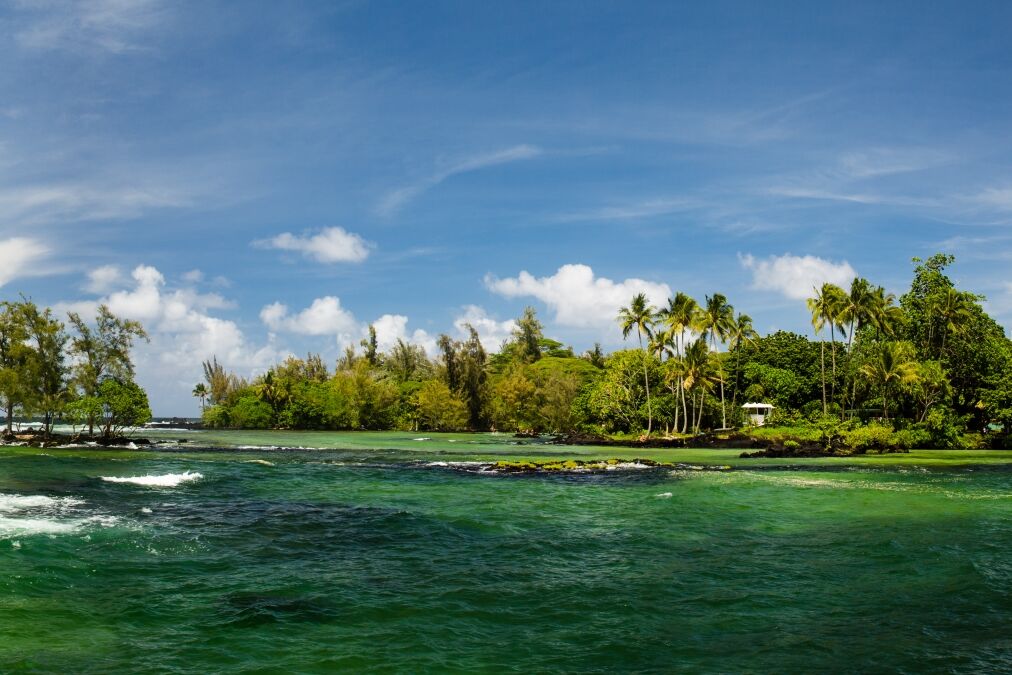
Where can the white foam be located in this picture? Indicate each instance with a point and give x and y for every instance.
(15, 503)
(423, 438)
(28, 526)
(146, 510)
(259, 461)
(664, 495)
(166, 480)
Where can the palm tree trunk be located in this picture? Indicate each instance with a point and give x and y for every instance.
(822, 345)
(832, 387)
(720, 371)
(646, 384)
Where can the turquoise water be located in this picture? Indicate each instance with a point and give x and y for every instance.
(348, 560)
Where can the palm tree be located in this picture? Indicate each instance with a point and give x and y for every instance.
(742, 333)
(953, 308)
(892, 367)
(681, 315)
(640, 315)
(717, 320)
(825, 308)
(201, 392)
(856, 310)
(697, 375)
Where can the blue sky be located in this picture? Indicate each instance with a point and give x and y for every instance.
(252, 179)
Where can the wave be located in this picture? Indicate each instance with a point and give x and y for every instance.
(16, 503)
(165, 480)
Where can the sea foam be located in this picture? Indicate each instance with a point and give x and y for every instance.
(166, 480)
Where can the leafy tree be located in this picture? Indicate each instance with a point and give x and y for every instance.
(371, 347)
(439, 409)
(46, 370)
(528, 335)
(123, 404)
(14, 358)
(595, 355)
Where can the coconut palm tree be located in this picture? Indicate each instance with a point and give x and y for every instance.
(825, 308)
(698, 376)
(954, 309)
(639, 315)
(682, 315)
(893, 366)
(717, 320)
(857, 310)
(201, 392)
(742, 333)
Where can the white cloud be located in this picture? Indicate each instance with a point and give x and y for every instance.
(114, 26)
(393, 327)
(331, 245)
(395, 199)
(20, 257)
(578, 298)
(491, 332)
(633, 211)
(796, 276)
(324, 317)
(103, 279)
(193, 276)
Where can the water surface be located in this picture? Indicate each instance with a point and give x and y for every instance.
(369, 557)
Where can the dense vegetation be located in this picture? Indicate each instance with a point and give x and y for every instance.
(929, 369)
(85, 378)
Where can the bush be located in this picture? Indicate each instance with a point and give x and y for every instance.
(251, 413)
(874, 436)
(216, 417)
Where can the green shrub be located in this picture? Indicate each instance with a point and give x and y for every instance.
(251, 413)
(790, 444)
(874, 436)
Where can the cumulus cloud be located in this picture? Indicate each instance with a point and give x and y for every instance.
(395, 199)
(20, 257)
(324, 317)
(491, 332)
(796, 276)
(330, 245)
(578, 297)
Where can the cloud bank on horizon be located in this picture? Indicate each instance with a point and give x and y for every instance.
(341, 166)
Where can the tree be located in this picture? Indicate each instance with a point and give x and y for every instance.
(893, 366)
(46, 370)
(931, 386)
(371, 346)
(528, 335)
(14, 355)
(681, 316)
(200, 391)
(699, 377)
(438, 408)
(595, 355)
(717, 321)
(123, 404)
(639, 315)
(741, 333)
(826, 308)
(471, 360)
(953, 310)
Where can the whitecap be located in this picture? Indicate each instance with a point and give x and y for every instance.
(423, 438)
(664, 495)
(166, 480)
(259, 461)
(15, 503)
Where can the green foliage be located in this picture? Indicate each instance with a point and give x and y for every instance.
(438, 408)
(123, 404)
(249, 412)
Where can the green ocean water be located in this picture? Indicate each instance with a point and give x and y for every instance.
(384, 554)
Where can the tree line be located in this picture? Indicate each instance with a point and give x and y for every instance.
(84, 377)
(931, 363)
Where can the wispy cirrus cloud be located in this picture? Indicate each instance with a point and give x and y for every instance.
(636, 210)
(394, 200)
(110, 26)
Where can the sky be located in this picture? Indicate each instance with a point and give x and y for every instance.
(256, 179)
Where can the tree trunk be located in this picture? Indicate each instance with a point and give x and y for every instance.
(646, 384)
(822, 356)
(720, 371)
(832, 338)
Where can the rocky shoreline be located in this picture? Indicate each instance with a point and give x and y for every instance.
(751, 447)
(37, 439)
